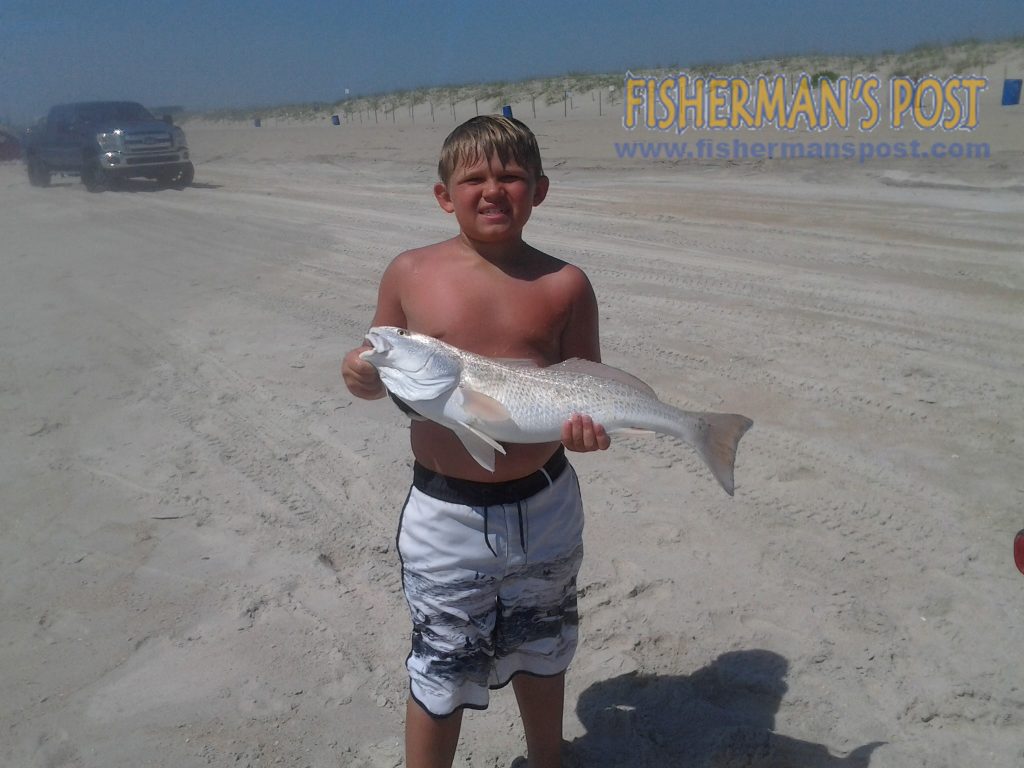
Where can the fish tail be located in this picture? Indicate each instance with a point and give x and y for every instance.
(719, 436)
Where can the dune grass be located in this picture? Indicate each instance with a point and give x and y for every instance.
(451, 102)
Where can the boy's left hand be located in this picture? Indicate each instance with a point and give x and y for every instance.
(581, 434)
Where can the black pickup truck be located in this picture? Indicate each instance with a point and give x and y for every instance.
(106, 142)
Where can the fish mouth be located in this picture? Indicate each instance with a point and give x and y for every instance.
(378, 342)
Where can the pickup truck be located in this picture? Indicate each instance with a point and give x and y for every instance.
(106, 142)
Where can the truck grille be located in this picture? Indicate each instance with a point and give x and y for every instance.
(147, 142)
(149, 159)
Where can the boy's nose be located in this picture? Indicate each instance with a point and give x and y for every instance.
(492, 188)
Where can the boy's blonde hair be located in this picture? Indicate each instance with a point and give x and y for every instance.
(487, 135)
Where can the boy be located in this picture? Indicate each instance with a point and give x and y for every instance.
(489, 560)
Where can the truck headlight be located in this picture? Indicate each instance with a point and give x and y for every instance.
(111, 142)
(178, 137)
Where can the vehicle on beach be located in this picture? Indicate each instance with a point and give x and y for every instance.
(107, 142)
(10, 146)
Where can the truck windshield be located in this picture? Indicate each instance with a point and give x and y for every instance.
(119, 110)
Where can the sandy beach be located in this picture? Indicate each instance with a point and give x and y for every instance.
(197, 560)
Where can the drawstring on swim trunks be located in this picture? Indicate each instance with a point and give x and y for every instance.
(487, 538)
(487, 525)
(522, 534)
(483, 496)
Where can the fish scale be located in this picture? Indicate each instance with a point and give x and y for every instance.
(540, 400)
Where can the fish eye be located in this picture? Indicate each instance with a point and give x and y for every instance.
(402, 332)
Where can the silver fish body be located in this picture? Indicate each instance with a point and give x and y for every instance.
(487, 401)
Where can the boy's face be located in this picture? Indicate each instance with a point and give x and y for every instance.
(491, 202)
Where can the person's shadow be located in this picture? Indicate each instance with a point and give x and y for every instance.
(721, 716)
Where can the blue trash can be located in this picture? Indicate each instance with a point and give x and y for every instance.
(335, 119)
(507, 110)
(1011, 92)
(256, 122)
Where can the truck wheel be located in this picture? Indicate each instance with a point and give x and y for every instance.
(38, 173)
(95, 178)
(188, 175)
(180, 177)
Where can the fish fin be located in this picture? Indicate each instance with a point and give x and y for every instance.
(486, 438)
(602, 371)
(478, 445)
(484, 407)
(718, 438)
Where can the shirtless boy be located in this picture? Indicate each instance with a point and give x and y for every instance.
(501, 548)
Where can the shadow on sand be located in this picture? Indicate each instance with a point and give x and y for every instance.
(147, 185)
(128, 185)
(721, 716)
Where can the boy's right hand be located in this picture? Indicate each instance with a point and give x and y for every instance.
(360, 377)
(581, 434)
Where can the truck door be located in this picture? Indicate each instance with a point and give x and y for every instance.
(67, 140)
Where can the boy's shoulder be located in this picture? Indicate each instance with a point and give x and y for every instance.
(433, 255)
(565, 274)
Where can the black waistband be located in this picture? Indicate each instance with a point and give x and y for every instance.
(473, 494)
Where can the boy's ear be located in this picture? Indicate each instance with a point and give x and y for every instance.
(541, 190)
(443, 198)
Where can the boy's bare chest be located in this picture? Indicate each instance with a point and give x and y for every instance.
(515, 318)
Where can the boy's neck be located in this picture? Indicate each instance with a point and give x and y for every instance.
(505, 252)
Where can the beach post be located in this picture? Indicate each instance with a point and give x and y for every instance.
(1011, 92)
(507, 110)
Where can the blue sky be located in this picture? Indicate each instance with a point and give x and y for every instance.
(203, 54)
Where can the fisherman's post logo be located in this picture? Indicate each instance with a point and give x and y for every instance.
(810, 105)
(683, 101)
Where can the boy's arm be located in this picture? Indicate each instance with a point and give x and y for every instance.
(360, 377)
(581, 338)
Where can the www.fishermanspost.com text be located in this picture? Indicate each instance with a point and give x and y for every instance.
(742, 149)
